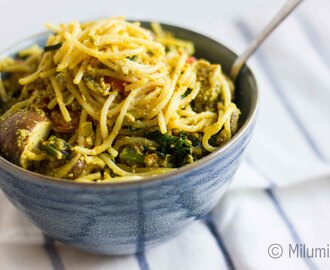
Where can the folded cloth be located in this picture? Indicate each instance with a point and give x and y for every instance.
(276, 213)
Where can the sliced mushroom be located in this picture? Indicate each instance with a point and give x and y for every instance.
(21, 131)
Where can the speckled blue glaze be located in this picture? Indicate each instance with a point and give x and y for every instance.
(129, 217)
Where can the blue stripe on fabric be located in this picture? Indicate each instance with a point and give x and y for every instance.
(52, 253)
(247, 33)
(309, 262)
(294, 234)
(142, 260)
(314, 39)
(210, 223)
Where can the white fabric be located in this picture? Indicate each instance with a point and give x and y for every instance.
(280, 194)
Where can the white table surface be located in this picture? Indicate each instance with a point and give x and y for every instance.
(20, 19)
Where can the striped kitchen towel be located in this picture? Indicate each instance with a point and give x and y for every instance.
(276, 213)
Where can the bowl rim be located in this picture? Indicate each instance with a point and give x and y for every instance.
(40, 178)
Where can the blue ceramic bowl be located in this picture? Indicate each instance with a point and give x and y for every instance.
(123, 218)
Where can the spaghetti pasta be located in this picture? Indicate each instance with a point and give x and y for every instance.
(124, 102)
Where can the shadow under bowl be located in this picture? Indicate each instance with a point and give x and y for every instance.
(124, 218)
